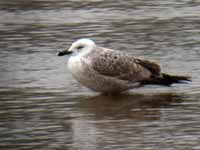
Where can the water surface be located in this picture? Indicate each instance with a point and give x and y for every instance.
(43, 107)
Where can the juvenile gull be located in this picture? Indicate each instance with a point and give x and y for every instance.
(109, 71)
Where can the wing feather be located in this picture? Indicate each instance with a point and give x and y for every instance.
(123, 66)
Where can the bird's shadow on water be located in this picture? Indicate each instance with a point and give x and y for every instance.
(126, 106)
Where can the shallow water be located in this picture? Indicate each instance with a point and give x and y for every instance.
(43, 107)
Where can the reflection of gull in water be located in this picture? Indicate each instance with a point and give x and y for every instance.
(120, 119)
(109, 71)
(126, 105)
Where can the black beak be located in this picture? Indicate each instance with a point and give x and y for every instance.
(62, 53)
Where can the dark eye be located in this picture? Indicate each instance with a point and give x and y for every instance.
(80, 47)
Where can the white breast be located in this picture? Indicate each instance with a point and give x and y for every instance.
(75, 65)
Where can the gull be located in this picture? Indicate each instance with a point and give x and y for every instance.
(110, 71)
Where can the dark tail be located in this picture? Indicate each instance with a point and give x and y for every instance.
(167, 80)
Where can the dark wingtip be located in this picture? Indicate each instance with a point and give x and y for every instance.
(167, 80)
(188, 78)
(181, 78)
(176, 79)
(185, 79)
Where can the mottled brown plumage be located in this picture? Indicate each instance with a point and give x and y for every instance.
(109, 71)
(122, 66)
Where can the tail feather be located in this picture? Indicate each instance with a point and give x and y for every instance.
(167, 80)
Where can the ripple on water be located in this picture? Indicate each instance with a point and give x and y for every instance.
(43, 107)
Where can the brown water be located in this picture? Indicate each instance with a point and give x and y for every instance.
(43, 107)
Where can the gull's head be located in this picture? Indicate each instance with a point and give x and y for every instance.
(81, 46)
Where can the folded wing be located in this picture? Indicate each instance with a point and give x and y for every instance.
(123, 66)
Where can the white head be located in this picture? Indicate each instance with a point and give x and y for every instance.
(79, 47)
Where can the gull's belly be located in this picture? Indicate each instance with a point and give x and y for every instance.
(84, 73)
